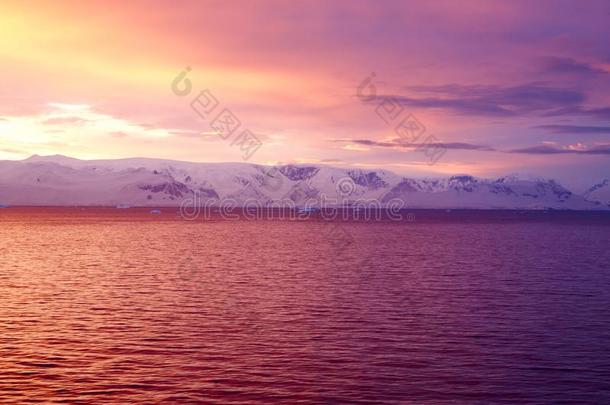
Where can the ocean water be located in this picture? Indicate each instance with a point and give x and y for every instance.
(123, 306)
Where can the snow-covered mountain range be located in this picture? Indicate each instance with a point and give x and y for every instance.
(61, 181)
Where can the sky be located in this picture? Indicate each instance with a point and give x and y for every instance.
(492, 87)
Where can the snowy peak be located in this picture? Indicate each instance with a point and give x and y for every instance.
(298, 173)
(519, 177)
(59, 159)
(370, 180)
(599, 192)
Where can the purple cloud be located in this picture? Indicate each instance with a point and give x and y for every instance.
(602, 113)
(398, 144)
(553, 150)
(575, 129)
(493, 100)
(570, 66)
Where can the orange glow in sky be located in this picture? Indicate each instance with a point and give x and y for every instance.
(504, 86)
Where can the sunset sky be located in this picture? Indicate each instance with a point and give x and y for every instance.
(506, 87)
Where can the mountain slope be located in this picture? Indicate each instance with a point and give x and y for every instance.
(59, 180)
(599, 192)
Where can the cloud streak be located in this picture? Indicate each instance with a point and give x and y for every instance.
(554, 150)
(398, 144)
(602, 113)
(493, 101)
(546, 149)
(574, 129)
(571, 66)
